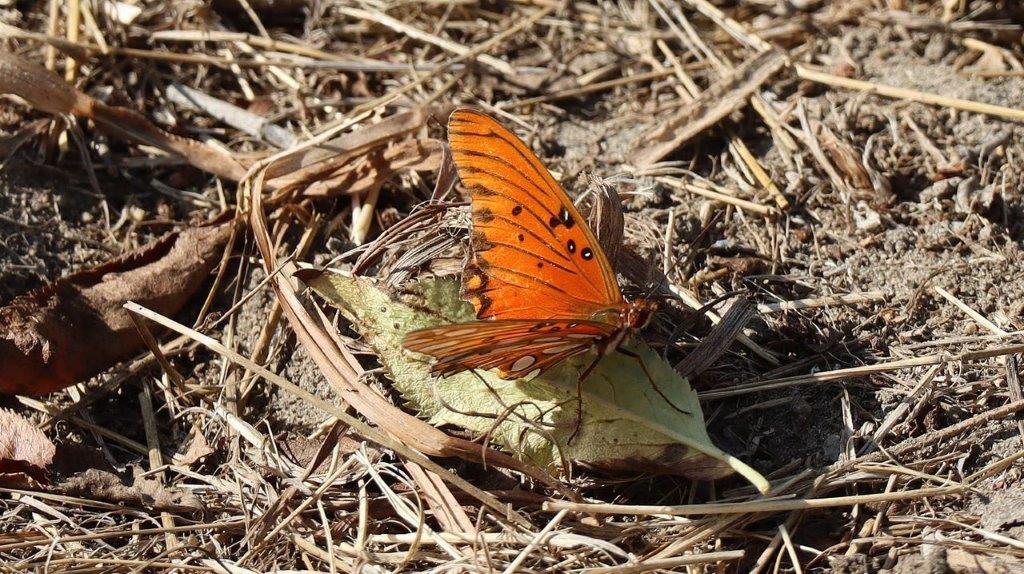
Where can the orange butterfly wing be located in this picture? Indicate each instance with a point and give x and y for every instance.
(515, 347)
(534, 256)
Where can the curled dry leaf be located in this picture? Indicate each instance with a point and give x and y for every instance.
(25, 452)
(378, 166)
(74, 328)
(332, 158)
(627, 424)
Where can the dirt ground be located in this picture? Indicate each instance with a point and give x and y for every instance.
(935, 201)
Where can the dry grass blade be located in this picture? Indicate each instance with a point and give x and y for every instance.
(670, 563)
(911, 95)
(756, 506)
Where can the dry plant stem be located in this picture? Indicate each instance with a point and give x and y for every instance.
(500, 66)
(155, 457)
(588, 89)
(537, 541)
(229, 525)
(854, 372)
(83, 51)
(51, 29)
(793, 558)
(731, 27)
(106, 433)
(735, 143)
(269, 44)
(669, 563)
(763, 210)
(759, 173)
(757, 506)
(915, 395)
(910, 445)
(363, 429)
(481, 48)
(442, 502)
(158, 354)
(74, 22)
(818, 302)
(807, 73)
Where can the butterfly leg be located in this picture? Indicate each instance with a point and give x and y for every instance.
(579, 396)
(650, 379)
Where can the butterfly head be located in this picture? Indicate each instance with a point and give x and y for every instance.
(639, 313)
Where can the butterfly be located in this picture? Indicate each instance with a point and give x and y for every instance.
(543, 289)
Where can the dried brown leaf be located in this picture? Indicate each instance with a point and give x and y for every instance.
(376, 167)
(606, 217)
(300, 169)
(74, 328)
(198, 448)
(25, 452)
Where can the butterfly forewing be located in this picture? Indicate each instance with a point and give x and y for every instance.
(534, 257)
(515, 348)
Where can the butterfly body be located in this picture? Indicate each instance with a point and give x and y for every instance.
(542, 287)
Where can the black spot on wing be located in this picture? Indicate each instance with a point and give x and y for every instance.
(566, 218)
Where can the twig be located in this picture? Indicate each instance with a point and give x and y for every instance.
(498, 65)
(757, 208)
(757, 506)
(595, 87)
(807, 73)
(155, 457)
(718, 101)
(669, 563)
(537, 541)
(816, 302)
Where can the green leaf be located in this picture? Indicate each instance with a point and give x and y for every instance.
(626, 423)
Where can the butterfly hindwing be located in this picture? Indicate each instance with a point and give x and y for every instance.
(514, 348)
(534, 257)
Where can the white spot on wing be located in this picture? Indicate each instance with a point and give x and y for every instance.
(522, 363)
